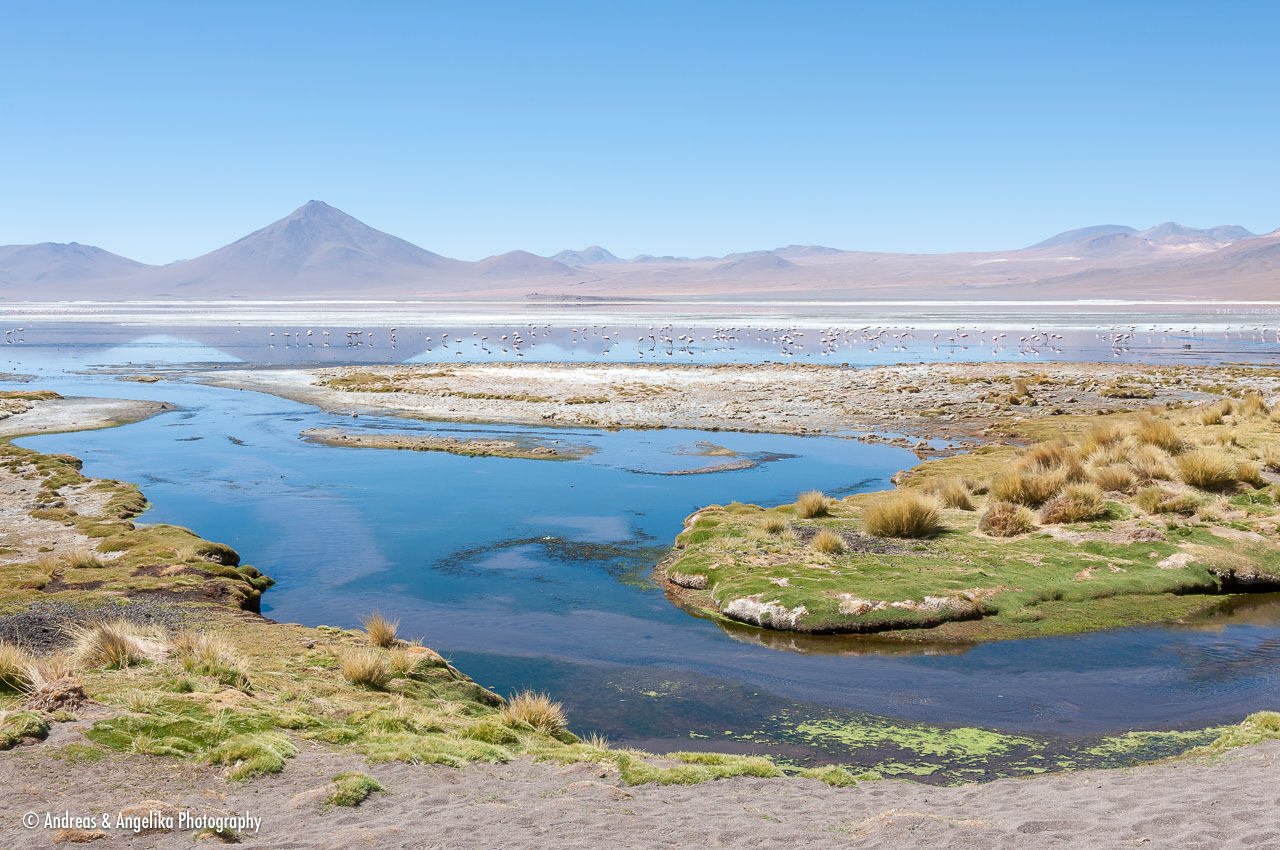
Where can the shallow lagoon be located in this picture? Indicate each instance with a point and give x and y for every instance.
(536, 573)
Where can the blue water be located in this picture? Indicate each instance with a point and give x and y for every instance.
(536, 573)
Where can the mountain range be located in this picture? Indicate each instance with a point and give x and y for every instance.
(319, 252)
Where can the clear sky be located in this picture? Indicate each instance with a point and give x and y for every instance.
(163, 130)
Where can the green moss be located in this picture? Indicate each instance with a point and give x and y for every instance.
(20, 725)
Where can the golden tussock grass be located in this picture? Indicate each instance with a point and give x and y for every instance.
(1005, 519)
(953, 493)
(209, 655)
(773, 524)
(812, 504)
(365, 667)
(536, 709)
(1250, 473)
(1100, 437)
(1116, 476)
(828, 542)
(1160, 433)
(83, 559)
(1207, 469)
(15, 668)
(114, 644)
(1078, 502)
(903, 513)
(1253, 406)
(1151, 463)
(381, 631)
(1157, 500)
(1027, 487)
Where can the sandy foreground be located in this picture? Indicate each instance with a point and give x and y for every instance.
(1229, 803)
(951, 401)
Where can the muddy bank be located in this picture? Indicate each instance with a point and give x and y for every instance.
(530, 449)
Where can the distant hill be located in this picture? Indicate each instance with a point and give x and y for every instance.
(520, 264)
(53, 263)
(593, 256)
(1070, 236)
(318, 251)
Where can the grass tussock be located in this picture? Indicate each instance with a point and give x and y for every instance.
(813, 503)
(903, 513)
(206, 654)
(1078, 503)
(773, 524)
(1006, 519)
(1207, 469)
(82, 559)
(828, 542)
(1252, 406)
(1157, 500)
(1161, 433)
(115, 645)
(350, 789)
(1029, 487)
(1101, 437)
(1212, 415)
(253, 754)
(537, 710)
(365, 667)
(381, 631)
(15, 668)
(1151, 463)
(1116, 476)
(954, 493)
(1249, 472)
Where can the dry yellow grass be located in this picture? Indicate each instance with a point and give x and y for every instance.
(114, 644)
(1116, 477)
(903, 513)
(381, 631)
(812, 504)
(365, 667)
(1250, 473)
(1151, 463)
(828, 542)
(1157, 500)
(1160, 433)
(15, 668)
(1027, 487)
(773, 524)
(1253, 406)
(538, 710)
(1005, 519)
(1207, 469)
(1100, 437)
(953, 493)
(83, 559)
(1078, 502)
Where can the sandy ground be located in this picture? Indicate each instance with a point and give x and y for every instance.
(951, 401)
(1230, 803)
(77, 414)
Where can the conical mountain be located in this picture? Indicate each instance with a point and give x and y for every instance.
(316, 249)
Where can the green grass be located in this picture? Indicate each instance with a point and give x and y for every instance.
(350, 789)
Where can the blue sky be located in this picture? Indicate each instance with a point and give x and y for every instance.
(164, 130)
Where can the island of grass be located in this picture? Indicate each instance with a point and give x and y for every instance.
(525, 449)
(1092, 522)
